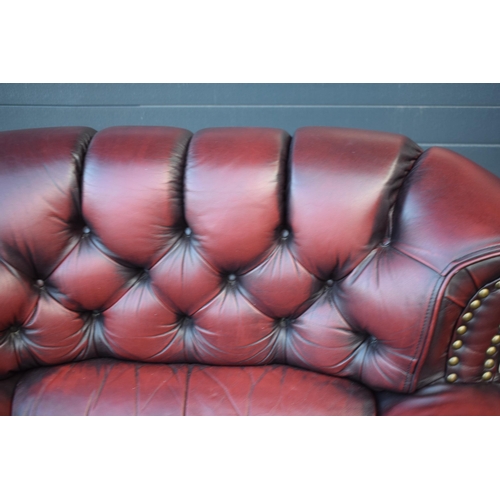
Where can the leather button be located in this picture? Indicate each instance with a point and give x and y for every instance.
(329, 283)
(40, 283)
(188, 231)
(86, 230)
(184, 319)
(285, 234)
(232, 278)
(14, 330)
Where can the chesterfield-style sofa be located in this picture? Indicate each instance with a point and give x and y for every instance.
(238, 271)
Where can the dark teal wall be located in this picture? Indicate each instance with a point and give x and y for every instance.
(462, 117)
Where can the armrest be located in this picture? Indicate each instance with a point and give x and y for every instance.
(449, 220)
(409, 294)
(465, 328)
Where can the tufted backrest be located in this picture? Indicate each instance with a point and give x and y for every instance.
(229, 247)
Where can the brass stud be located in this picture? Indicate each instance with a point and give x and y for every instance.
(491, 351)
(495, 340)
(484, 293)
(487, 376)
(467, 316)
(452, 377)
(497, 284)
(475, 304)
(461, 329)
(489, 363)
(457, 344)
(453, 361)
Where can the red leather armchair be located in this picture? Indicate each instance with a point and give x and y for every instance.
(146, 270)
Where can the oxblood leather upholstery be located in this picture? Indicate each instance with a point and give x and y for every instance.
(344, 252)
(125, 388)
(444, 400)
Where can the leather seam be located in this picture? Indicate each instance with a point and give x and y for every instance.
(415, 259)
(466, 269)
(80, 165)
(412, 163)
(410, 374)
(186, 392)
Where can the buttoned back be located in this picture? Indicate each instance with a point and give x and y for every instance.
(236, 246)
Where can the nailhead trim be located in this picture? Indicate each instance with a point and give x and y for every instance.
(462, 329)
(490, 362)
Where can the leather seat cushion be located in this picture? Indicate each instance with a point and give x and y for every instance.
(109, 387)
(443, 400)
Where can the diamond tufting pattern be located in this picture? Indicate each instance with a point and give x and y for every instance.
(226, 247)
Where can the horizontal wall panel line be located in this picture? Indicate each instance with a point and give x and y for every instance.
(228, 93)
(230, 106)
